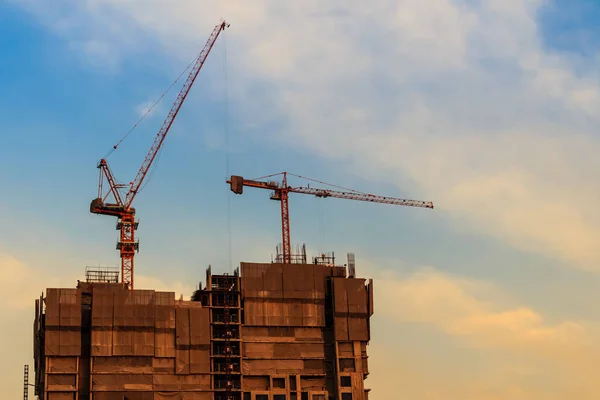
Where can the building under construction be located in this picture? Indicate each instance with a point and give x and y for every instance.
(285, 330)
(268, 332)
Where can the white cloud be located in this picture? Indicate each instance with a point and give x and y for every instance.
(146, 109)
(460, 98)
(100, 54)
(494, 132)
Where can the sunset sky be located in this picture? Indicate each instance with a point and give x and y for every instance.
(488, 108)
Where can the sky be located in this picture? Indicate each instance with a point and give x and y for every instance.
(488, 108)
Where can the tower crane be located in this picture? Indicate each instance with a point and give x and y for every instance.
(121, 205)
(281, 192)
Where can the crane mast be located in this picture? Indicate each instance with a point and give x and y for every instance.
(281, 193)
(126, 223)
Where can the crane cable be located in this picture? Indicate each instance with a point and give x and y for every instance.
(312, 180)
(150, 109)
(227, 158)
(327, 184)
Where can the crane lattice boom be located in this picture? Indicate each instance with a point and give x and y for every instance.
(362, 197)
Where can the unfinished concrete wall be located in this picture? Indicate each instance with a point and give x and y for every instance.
(305, 332)
(293, 332)
(143, 345)
(352, 307)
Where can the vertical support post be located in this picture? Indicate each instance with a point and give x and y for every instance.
(127, 246)
(26, 382)
(285, 221)
(228, 364)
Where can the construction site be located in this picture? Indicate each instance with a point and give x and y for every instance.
(294, 328)
(273, 331)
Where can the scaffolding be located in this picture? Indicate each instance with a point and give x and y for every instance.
(327, 259)
(351, 265)
(102, 274)
(224, 302)
(296, 257)
(26, 382)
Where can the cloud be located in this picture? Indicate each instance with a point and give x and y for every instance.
(153, 283)
(457, 102)
(100, 54)
(493, 132)
(145, 109)
(20, 285)
(505, 348)
(455, 305)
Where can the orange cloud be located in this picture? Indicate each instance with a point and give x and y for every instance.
(517, 341)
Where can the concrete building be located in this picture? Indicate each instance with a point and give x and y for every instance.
(272, 332)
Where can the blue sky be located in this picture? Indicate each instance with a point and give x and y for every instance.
(487, 108)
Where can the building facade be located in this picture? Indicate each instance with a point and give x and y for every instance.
(272, 332)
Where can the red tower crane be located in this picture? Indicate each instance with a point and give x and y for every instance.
(281, 192)
(121, 207)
